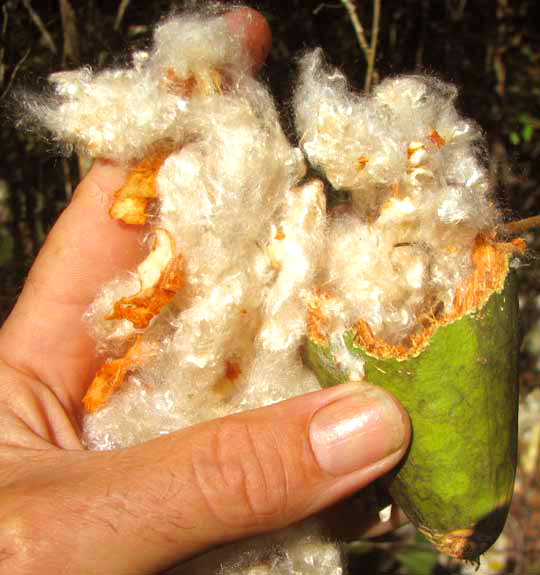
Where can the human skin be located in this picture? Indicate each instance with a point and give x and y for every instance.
(64, 509)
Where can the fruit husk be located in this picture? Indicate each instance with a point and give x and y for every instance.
(460, 390)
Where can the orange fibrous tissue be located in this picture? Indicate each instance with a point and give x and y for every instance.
(110, 377)
(160, 277)
(437, 139)
(132, 199)
(490, 267)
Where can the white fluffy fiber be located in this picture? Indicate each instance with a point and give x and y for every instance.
(117, 113)
(297, 550)
(256, 241)
(420, 193)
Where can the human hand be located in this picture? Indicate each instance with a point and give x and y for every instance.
(139, 510)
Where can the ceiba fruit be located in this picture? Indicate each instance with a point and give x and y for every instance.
(457, 378)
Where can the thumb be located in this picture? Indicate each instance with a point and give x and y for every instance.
(157, 503)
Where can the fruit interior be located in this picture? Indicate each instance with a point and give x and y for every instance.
(416, 244)
(490, 268)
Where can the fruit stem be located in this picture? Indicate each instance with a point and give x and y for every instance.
(520, 226)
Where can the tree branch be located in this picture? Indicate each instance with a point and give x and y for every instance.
(520, 226)
(47, 39)
(122, 7)
(71, 36)
(357, 25)
(373, 44)
(14, 73)
(371, 49)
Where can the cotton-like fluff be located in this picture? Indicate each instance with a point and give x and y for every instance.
(233, 220)
(250, 242)
(116, 113)
(420, 194)
(298, 550)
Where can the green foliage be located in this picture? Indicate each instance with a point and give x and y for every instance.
(419, 558)
(528, 127)
(404, 554)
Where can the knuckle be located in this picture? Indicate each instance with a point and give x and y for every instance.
(245, 483)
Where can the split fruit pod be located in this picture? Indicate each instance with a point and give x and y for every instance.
(458, 381)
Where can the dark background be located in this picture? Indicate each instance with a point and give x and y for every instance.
(488, 48)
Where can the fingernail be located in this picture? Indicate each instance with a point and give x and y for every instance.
(357, 430)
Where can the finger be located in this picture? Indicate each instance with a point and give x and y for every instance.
(45, 336)
(147, 507)
(254, 29)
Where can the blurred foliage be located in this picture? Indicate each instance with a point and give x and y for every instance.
(419, 558)
(405, 552)
(489, 48)
(526, 131)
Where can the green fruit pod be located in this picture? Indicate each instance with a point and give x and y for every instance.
(458, 382)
